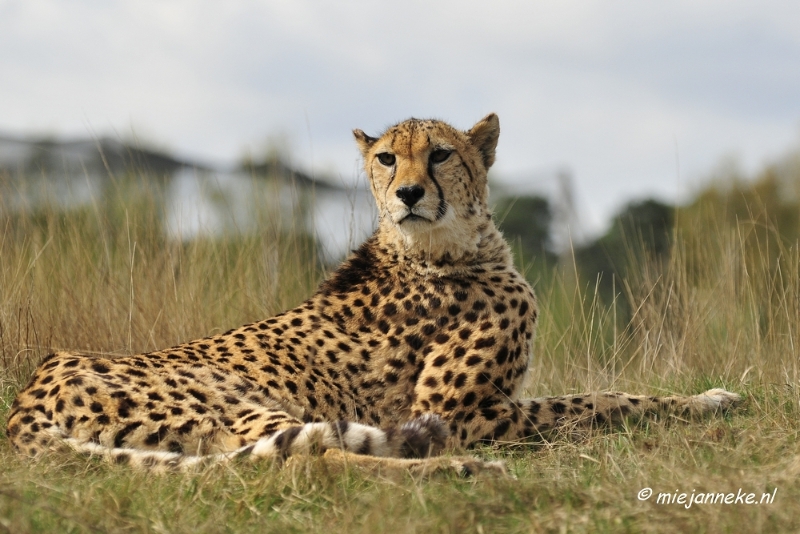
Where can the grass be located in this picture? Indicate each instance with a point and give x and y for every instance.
(103, 278)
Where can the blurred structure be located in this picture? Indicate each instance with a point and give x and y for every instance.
(198, 200)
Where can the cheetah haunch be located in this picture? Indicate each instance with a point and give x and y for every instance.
(420, 342)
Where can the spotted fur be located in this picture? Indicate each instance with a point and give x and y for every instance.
(420, 342)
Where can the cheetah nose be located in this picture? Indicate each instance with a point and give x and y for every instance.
(410, 195)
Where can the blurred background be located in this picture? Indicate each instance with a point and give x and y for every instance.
(615, 115)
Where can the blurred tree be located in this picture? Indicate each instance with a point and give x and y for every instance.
(641, 232)
(526, 222)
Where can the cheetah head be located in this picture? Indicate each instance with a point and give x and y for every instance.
(429, 181)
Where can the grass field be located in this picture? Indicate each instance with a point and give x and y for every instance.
(722, 312)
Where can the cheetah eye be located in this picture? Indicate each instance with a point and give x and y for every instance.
(386, 159)
(439, 155)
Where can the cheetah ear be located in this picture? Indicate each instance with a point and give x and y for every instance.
(364, 141)
(484, 137)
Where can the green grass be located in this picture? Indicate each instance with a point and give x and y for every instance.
(104, 279)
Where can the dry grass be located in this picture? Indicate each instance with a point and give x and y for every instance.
(104, 279)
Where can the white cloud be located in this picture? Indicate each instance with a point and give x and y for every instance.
(605, 88)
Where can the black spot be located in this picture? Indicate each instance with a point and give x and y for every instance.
(439, 361)
(198, 409)
(397, 364)
(174, 446)
(469, 399)
(39, 393)
(484, 342)
(461, 379)
(120, 437)
(473, 360)
(489, 414)
(186, 427)
(441, 338)
(414, 341)
(502, 356)
(599, 418)
(501, 429)
(284, 440)
(100, 368)
(156, 437)
(196, 394)
(391, 378)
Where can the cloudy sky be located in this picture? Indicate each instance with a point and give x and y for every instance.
(632, 98)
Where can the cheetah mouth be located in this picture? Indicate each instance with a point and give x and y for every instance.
(412, 217)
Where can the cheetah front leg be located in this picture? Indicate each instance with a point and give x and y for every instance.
(418, 438)
(496, 420)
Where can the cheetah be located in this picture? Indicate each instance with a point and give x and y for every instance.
(419, 343)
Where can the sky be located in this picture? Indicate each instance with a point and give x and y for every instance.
(632, 99)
